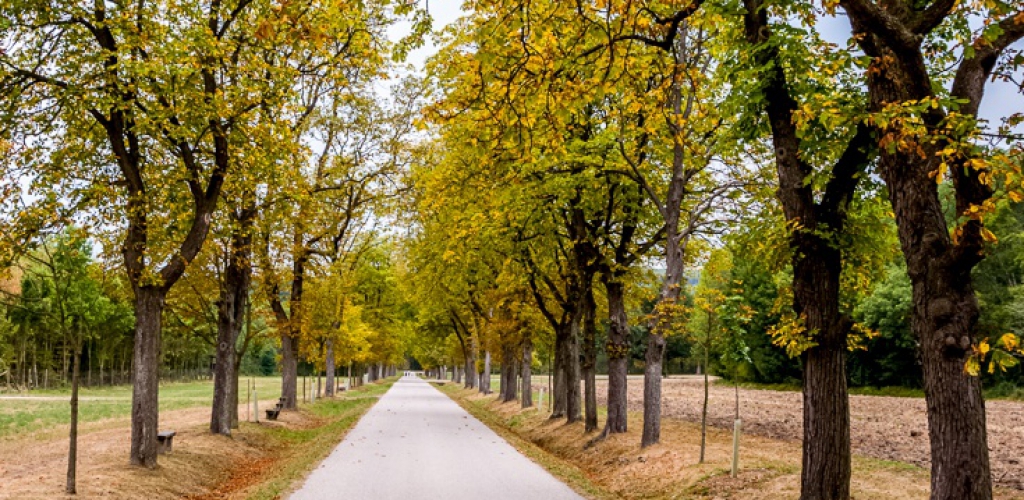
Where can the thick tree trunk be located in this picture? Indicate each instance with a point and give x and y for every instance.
(945, 312)
(527, 371)
(944, 319)
(817, 265)
(826, 446)
(589, 368)
(330, 368)
(289, 371)
(149, 306)
(617, 349)
(70, 484)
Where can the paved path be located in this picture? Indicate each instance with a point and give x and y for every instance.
(417, 443)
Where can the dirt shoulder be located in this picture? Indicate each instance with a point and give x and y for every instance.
(618, 468)
(887, 428)
(259, 460)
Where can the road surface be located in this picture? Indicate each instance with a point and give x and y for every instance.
(417, 443)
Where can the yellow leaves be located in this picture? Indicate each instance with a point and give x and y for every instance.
(1015, 196)
(1010, 342)
(984, 348)
(792, 335)
(1003, 354)
(972, 366)
(988, 236)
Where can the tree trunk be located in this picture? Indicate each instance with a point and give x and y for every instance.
(817, 265)
(149, 306)
(330, 368)
(589, 368)
(485, 376)
(573, 374)
(508, 374)
(70, 486)
(289, 370)
(470, 372)
(618, 357)
(559, 391)
(671, 289)
(945, 309)
(652, 390)
(527, 371)
(944, 319)
(231, 315)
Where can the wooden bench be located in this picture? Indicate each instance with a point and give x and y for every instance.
(164, 440)
(273, 414)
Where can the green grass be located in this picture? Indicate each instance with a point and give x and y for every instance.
(311, 445)
(19, 417)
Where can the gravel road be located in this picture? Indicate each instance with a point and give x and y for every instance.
(417, 443)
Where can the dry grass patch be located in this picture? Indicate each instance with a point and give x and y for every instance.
(617, 468)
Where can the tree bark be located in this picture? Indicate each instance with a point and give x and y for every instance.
(509, 389)
(618, 356)
(485, 376)
(559, 391)
(571, 362)
(589, 368)
(231, 315)
(289, 371)
(527, 371)
(652, 389)
(945, 309)
(149, 306)
(817, 266)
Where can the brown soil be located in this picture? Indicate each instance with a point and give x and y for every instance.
(888, 428)
(769, 468)
(201, 465)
